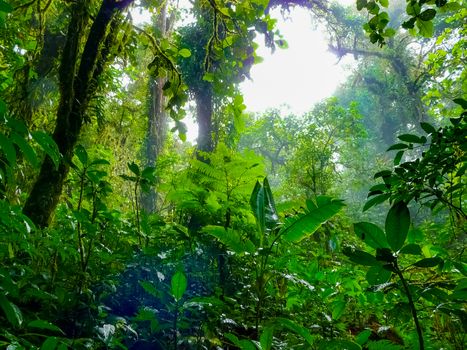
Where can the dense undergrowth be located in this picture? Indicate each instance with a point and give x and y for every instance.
(343, 228)
(224, 269)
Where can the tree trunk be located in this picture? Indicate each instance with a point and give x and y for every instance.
(76, 90)
(204, 110)
(157, 121)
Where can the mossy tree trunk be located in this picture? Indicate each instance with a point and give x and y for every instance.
(157, 118)
(77, 86)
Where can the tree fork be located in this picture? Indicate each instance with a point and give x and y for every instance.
(75, 96)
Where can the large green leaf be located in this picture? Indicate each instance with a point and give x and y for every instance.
(429, 262)
(231, 239)
(297, 228)
(150, 288)
(243, 344)
(50, 343)
(378, 275)
(82, 155)
(263, 206)
(371, 234)
(413, 249)
(266, 338)
(48, 145)
(397, 225)
(44, 325)
(338, 308)
(295, 327)
(178, 285)
(26, 149)
(12, 312)
(376, 200)
(360, 257)
(134, 168)
(8, 149)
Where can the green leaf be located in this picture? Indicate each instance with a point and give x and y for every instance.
(338, 308)
(371, 234)
(5, 7)
(397, 225)
(461, 102)
(427, 15)
(44, 325)
(231, 239)
(8, 150)
(361, 4)
(150, 288)
(17, 126)
(134, 168)
(50, 343)
(297, 228)
(426, 28)
(378, 275)
(409, 138)
(462, 267)
(266, 338)
(243, 344)
(383, 345)
(428, 262)
(178, 285)
(397, 146)
(413, 8)
(82, 155)
(385, 254)
(337, 344)
(413, 249)
(149, 173)
(384, 3)
(12, 312)
(146, 314)
(363, 336)
(3, 107)
(209, 77)
(185, 53)
(294, 327)
(428, 128)
(409, 24)
(128, 178)
(48, 145)
(263, 206)
(398, 157)
(360, 257)
(99, 162)
(383, 174)
(389, 32)
(376, 200)
(26, 149)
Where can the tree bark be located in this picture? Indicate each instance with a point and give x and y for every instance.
(157, 121)
(76, 90)
(204, 109)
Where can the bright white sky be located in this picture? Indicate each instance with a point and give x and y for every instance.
(298, 76)
(295, 78)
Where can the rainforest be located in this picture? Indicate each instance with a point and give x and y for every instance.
(144, 205)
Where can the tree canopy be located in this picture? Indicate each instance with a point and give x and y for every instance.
(341, 228)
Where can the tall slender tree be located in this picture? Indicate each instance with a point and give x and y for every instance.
(78, 77)
(157, 116)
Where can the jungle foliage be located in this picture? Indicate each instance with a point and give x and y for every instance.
(342, 228)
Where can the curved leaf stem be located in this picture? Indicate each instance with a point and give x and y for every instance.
(411, 305)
